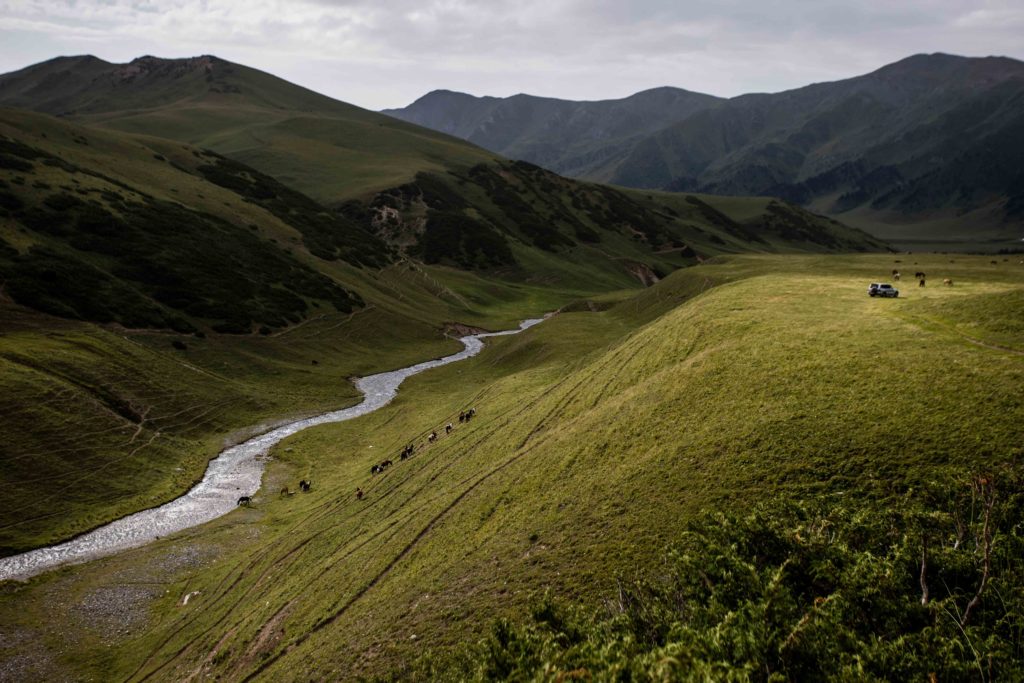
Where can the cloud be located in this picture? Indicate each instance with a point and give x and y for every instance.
(387, 52)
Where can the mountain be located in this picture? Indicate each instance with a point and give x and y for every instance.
(930, 141)
(325, 148)
(565, 136)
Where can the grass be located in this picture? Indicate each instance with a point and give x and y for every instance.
(599, 434)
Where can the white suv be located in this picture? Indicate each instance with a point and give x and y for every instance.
(882, 289)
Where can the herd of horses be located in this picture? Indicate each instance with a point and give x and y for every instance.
(410, 449)
(304, 486)
(920, 275)
(406, 453)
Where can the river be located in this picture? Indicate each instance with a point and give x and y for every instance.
(236, 471)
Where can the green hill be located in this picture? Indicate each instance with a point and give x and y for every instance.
(599, 436)
(327, 149)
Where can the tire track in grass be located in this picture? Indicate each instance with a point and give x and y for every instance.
(327, 621)
(438, 517)
(314, 516)
(392, 491)
(923, 323)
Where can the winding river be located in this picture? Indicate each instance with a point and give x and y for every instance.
(236, 471)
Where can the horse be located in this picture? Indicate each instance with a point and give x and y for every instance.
(359, 494)
(921, 283)
(386, 464)
(244, 500)
(285, 492)
(448, 428)
(376, 469)
(433, 437)
(305, 486)
(896, 276)
(472, 412)
(462, 416)
(948, 282)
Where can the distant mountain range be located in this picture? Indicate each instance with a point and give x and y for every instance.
(935, 141)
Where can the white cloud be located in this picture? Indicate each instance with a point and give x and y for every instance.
(380, 53)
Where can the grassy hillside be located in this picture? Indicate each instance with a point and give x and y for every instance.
(598, 436)
(146, 233)
(327, 149)
(517, 217)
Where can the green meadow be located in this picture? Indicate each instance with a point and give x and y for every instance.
(600, 436)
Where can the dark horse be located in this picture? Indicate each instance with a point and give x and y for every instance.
(305, 486)
(244, 500)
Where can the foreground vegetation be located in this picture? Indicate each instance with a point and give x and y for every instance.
(928, 588)
(600, 436)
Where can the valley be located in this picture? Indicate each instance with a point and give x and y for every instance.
(760, 366)
(716, 458)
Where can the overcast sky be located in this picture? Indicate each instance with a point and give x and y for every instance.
(386, 53)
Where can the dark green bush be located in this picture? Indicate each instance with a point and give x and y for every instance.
(457, 238)
(160, 256)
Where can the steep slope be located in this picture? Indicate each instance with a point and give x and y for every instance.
(928, 141)
(150, 234)
(567, 137)
(325, 148)
(115, 228)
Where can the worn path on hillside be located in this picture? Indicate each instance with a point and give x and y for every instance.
(236, 472)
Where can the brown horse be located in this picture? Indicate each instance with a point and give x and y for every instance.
(948, 282)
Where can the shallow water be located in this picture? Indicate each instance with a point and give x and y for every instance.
(236, 472)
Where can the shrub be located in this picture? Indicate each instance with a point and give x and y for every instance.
(931, 588)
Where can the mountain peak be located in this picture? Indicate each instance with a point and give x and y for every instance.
(942, 65)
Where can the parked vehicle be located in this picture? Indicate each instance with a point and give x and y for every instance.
(882, 289)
